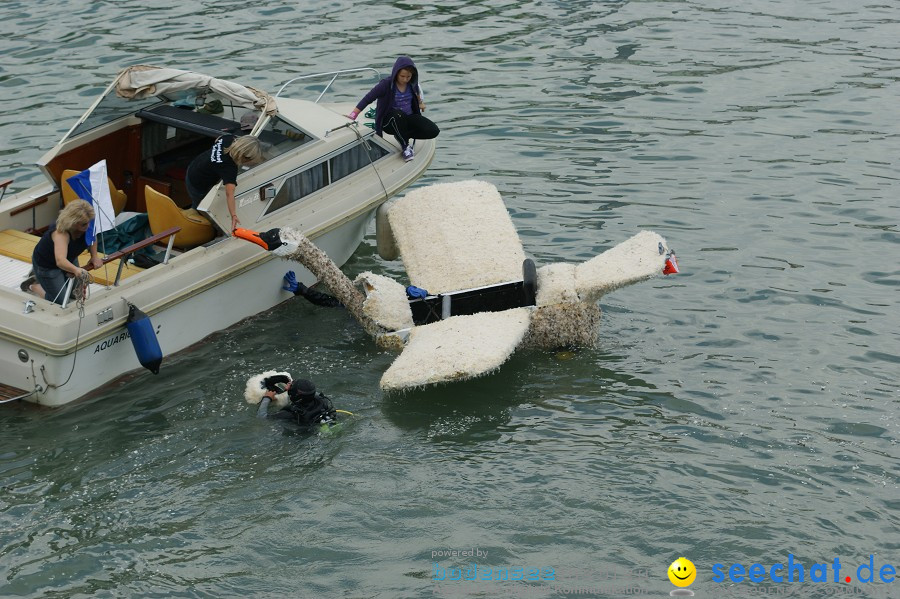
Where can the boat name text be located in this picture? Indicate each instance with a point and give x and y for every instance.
(111, 341)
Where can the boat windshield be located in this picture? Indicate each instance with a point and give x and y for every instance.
(279, 137)
(112, 107)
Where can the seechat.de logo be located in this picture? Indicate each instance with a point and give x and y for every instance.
(682, 573)
(794, 571)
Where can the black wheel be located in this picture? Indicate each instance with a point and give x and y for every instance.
(529, 281)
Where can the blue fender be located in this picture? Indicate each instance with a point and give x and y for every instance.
(143, 338)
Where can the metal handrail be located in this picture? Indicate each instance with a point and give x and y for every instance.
(333, 74)
(122, 254)
(3, 187)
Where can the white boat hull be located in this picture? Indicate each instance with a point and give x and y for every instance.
(178, 326)
(321, 174)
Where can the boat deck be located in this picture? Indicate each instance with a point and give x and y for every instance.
(7, 393)
(19, 246)
(13, 272)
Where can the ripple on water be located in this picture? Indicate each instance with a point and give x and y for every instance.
(749, 399)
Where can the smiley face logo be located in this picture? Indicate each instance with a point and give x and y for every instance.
(682, 572)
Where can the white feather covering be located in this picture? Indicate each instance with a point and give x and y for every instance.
(556, 284)
(456, 236)
(575, 324)
(255, 390)
(299, 248)
(385, 302)
(458, 348)
(633, 260)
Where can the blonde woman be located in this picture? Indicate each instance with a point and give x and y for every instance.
(222, 163)
(55, 256)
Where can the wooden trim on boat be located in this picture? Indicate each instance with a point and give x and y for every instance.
(3, 185)
(137, 246)
(8, 392)
(120, 149)
(28, 206)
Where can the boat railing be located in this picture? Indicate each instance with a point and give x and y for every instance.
(3, 186)
(334, 76)
(123, 254)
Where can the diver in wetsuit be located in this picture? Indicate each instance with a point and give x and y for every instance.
(316, 297)
(307, 408)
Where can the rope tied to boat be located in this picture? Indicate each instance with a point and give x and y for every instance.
(82, 292)
(82, 289)
(368, 149)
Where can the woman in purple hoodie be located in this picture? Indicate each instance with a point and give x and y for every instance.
(399, 106)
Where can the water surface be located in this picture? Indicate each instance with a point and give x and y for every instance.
(739, 412)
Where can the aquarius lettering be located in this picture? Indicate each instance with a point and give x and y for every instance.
(111, 341)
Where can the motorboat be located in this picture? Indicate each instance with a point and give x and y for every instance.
(322, 174)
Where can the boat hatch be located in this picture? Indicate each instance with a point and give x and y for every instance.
(198, 122)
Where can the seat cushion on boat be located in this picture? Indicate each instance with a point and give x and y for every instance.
(459, 348)
(165, 214)
(116, 196)
(455, 236)
(192, 215)
(385, 302)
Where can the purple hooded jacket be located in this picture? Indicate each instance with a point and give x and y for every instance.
(383, 92)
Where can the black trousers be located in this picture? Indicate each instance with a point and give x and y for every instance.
(409, 126)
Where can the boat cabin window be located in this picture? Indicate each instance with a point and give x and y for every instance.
(166, 152)
(354, 159)
(203, 123)
(279, 137)
(326, 172)
(172, 135)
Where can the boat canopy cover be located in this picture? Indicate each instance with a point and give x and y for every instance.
(141, 81)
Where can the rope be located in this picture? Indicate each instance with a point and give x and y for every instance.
(368, 150)
(83, 289)
(82, 293)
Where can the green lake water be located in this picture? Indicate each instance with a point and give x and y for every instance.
(741, 412)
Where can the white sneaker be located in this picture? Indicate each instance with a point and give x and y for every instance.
(408, 153)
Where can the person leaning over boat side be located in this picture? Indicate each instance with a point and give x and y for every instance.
(399, 106)
(55, 256)
(312, 296)
(221, 163)
(307, 408)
